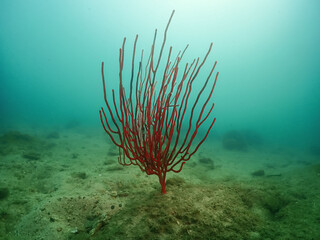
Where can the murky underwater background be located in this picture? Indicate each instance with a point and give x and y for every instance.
(257, 175)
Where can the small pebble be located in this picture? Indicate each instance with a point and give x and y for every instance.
(114, 194)
(74, 231)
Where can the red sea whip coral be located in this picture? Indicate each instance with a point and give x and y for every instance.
(146, 122)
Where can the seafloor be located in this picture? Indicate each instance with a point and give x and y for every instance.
(67, 184)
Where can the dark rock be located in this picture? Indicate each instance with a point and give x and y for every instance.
(175, 181)
(72, 124)
(258, 173)
(113, 153)
(115, 168)
(234, 140)
(240, 140)
(315, 150)
(208, 162)
(252, 137)
(15, 137)
(81, 175)
(4, 193)
(274, 203)
(32, 156)
(53, 135)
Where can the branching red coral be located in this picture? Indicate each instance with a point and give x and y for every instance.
(147, 122)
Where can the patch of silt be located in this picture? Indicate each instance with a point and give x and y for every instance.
(220, 211)
(68, 217)
(16, 142)
(186, 212)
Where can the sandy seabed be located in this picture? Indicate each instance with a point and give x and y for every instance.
(67, 184)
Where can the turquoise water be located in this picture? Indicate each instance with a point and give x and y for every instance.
(266, 97)
(267, 57)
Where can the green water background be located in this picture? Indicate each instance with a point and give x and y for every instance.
(267, 51)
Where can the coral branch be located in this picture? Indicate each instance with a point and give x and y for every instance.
(147, 123)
